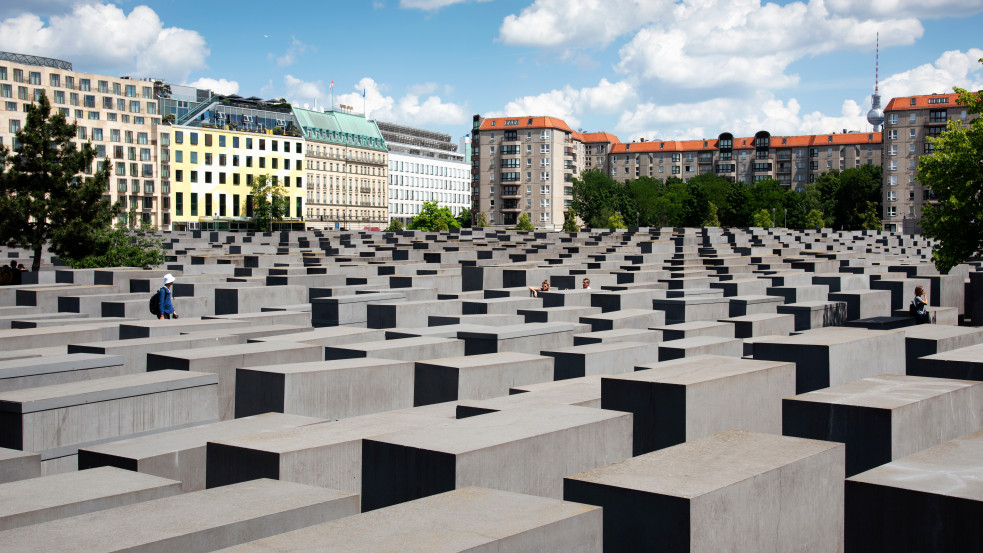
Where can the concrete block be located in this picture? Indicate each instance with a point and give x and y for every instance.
(816, 314)
(600, 358)
(779, 493)
(76, 493)
(925, 340)
(762, 324)
(902, 289)
(887, 417)
(841, 282)
(549, 442)
(406, 349)
(477, 376)
(618, 335)
(325, 389)
(170, 327)
(134, 352)
(57, 369)
(327, 455)
(799, 294)
(18, 465)
(686, 399)
(468, 519)
(530, 338)
(963, 363)
(408, 313)
(682, 310)
(499, 306)
(700, 345)
(571, 314)
(270, 317)
(224, 360)
(626, 318)
(692, 329)
(180, 454)
(582, 392)
(864, 304)
(753, 305)
(328, 336)
(834, 357)
(625, 299)
(347, 310)
(57, 420)
(567, 298)
(742, 287)
(928, 501)
(32, 338)
(230, 301)
(192, 522)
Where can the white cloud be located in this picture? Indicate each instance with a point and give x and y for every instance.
(218, 86)
(953, 68)
(569, 103)
(298, 90)
(296, 49)
(566, 22)
(105, 37)
(412, 109)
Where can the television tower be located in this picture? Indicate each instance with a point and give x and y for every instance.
(876, 115)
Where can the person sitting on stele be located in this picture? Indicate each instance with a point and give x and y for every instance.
(544, 288)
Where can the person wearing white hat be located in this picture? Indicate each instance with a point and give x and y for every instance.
(166, 305)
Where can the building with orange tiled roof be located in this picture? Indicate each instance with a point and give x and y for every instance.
(908, 123)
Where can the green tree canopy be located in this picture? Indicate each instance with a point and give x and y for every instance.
(395, 225)
(762, 218)
(570, 222)
(45, 196)
(955, 174)
(464, 218)
(434, 217)
(524, 223)
(270, 201)
(480, 220)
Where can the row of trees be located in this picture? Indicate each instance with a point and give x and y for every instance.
(843, 200)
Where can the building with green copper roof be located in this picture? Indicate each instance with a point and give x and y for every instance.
(339, 127)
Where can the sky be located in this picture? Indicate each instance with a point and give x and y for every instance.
(652, 69)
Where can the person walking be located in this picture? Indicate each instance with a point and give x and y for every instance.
(166, 304)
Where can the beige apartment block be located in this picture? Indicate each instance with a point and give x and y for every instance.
(117, 115)
(524, 165)
(908, 123)
(791, 160)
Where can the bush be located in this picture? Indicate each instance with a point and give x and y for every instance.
(524, 223)
(570, 222)
(480, 220)
(395, 225)
(814, 219)
(616, 222)
(121, 249)
(762, 218)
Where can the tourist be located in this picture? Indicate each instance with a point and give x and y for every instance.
(919, 306)
(585, 285)
(166, 305)
(544, 288)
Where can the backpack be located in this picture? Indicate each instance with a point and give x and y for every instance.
(155, 304)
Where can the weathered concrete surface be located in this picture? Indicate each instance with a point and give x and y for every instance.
(468, 519)
(962, 363)
(887, 417)
(601, 358)
(18, 465)
(779, 493)
(199, 521)
(180, 454)
(57, 369)
(686, 399)
(929, 501)
(76, 493)
(477, 376)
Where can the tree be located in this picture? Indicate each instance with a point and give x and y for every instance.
(593, 193)
(762, 218)
(480, 220)
(857, 188)
(119, 248)
(737, 211)
(270, 201)
(954, 173)
(464, 218)
(44, 195)
(712, 220)
(524, 223)
(814, 219)
(434, 217)
(616, 222)
(395, 225)
(570, 222)
(161, 89)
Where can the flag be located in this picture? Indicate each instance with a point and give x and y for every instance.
(331, 85)
(363, 92)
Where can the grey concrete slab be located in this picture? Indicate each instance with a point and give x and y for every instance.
(57, 420)
(618, 335)
(229, 301)
(61, 335)
(600, 358)
(753, 305)
(886, 417)
(902, 289)
(134, 352)
(477, 376)
(742, 287)
(549, 442)
(224, 360)
(762, 324)
(405, 349)
(57, 369)
(408, 313)
(687, 309)
(567, 298)
(76, 493)
(692, 329)
(293, 318)
(962, 363)
(582, 392)
(325, 389)
(827, 358)
(18, 465)
(171, 327)
(199, 521)
(928, 501)
(346, 310)
(700, 345)
(926, 340)
(799, 294)
(811, 315)
(863, 304)
(328, 336)
(531, 338)
(499, 306)
(327, 455)
(483, 320)
(626, 318)
(468, 519)
(255, 332)
(180, 454)
(779, 493)
(571, 314)
(686, 399)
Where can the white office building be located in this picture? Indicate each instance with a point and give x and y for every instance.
(424, 166)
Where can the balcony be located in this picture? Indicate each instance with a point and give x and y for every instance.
(784, 168)
(784, 156)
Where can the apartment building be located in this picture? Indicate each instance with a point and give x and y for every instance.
(345, 164)
(117, 115)
(216, 152)
(908, 123)
(523, 165)
(791, 160)
(424, 166)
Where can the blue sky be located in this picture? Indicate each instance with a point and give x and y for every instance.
(638, 68)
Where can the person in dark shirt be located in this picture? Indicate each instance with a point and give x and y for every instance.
(166, 304)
